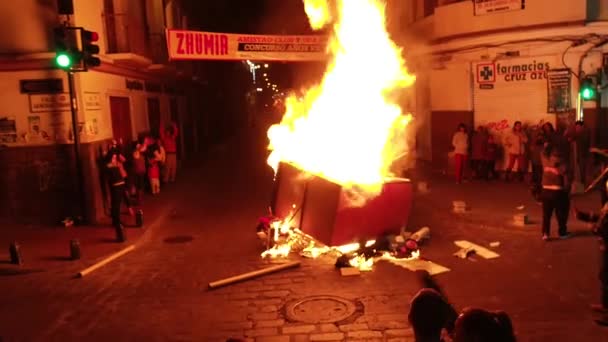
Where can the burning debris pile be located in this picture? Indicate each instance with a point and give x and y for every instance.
(335, 148)
(281, 239)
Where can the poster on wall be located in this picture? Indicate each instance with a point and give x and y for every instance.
(8, 130)
(34, 125)
(194, 45)
(558, 91)
(92, 100)
(484, 7)
(40, 103)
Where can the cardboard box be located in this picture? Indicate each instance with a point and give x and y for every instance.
(324, 210)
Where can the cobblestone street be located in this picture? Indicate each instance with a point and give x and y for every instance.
(159, 291)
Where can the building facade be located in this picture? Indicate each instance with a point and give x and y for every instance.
(132, 92)
(493, 62)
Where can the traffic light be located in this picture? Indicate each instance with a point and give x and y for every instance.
(66, 54)
(587, 89)
(89, 48)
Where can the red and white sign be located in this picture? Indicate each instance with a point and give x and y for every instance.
(486, 73)
(497, 6)
(196, 45)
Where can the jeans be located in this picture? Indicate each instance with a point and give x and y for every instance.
(117, 193)
(460, 161)
(558, 201)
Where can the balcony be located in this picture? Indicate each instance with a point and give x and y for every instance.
(129, 42)
(457, 18)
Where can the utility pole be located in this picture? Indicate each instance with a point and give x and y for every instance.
(76, 51)
(76, 136)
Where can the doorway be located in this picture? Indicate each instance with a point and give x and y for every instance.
(154, 116)
(121, 118)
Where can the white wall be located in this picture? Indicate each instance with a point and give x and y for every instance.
(450, 87)
(459, 18)
(55, 124)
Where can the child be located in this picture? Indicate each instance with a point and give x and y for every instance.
(491, 153)
(154, 170)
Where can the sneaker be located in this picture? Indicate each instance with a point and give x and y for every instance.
(565, 236)
(602, 320)
(545, 237)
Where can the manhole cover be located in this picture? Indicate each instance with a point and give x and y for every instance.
(179, 239)
(323, 309)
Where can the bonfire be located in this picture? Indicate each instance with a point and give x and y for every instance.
(348, 129)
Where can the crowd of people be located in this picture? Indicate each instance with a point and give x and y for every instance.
(134, 168)
(521, 148)
(558, 160)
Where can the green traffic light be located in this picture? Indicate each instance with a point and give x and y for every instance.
(63, 60)
(587, 93)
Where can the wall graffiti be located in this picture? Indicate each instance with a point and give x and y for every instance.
(499, 126)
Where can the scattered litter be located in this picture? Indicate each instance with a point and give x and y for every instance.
(459, 206)
(520, 219)
(521, 207)
(349, 271)
(254, 274)
(481, 251)
(68, 222)
(495, 244)
(419, 264)
(465, 253)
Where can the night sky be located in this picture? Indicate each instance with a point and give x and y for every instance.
(248, 16)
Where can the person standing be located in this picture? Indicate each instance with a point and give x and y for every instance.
(536, 150)
(600, 228)
(479, 145)
(490, 158)
(515, 146)
(168, 136)
(460, 142)
(116, 181)
(555, 195)
(580, 141)
(139, 170)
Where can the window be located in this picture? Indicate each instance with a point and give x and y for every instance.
(429, 7)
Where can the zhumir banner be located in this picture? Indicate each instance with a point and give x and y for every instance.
(195, 45)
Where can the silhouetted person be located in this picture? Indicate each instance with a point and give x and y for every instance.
(460, 142)
(430, 311)
(478, 325)
(600, 228)
(555, 194)
(515, 144)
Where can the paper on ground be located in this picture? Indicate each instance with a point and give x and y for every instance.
(417, 264)
(481, 251)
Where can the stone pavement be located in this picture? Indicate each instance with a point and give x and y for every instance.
(160, 291)
(45, 247)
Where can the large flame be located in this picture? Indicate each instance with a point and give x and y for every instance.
(349, 129)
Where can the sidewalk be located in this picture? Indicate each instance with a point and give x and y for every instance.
(46, 248)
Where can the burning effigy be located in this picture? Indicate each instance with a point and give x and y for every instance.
(334, 149)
